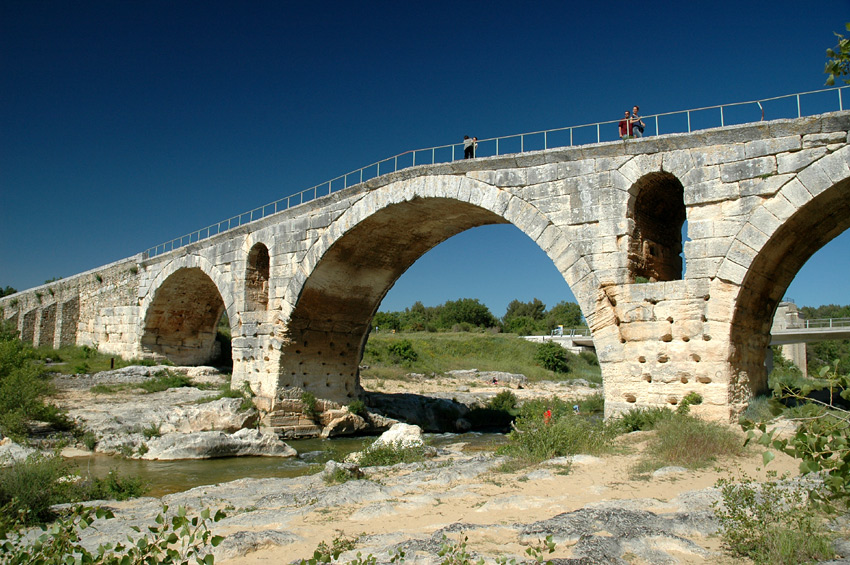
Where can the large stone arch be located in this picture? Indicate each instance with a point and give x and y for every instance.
(343, 277)
(181, 309)
(807, 213)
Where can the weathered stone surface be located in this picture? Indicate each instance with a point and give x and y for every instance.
(210, 445)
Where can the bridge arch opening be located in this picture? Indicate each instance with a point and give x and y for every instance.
(329, 325)
(257, 278)
(792, 244)
(182, 319)
(658, 214)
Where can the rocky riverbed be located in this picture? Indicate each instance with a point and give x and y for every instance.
(593, 508)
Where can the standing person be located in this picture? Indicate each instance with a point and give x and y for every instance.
(637, 123)
(468, 147)
(626, 126)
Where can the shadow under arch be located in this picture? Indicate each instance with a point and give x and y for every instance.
(257, 278)
(181, 320)
(774, 267)
(657, 207)
(357, 265)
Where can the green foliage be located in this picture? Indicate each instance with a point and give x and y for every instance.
(691, 399)
(552, 357)
(7, 291)
(770, 523)
(537, 437)
(438, 353)
(686, 441)
(402, 352)
(23, 386)
(822, 439)
(173, 539)
(309, 404)
(164, 380)
(839, 59)
(466, 310)
(384, 455)
(506, 401)
(643, 419)
(358, 407)
(39, 482)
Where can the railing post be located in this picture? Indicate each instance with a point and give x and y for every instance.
(657, 133)
(598, 136)
(798, 105)
(721, 117)
(571, 137)
(522, 144)
(840, 102)
(545, 140)
(689, 121)
(497, 146)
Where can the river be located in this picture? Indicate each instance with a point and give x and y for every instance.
(166, 477)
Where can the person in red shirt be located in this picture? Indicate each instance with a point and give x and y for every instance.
(626, 126)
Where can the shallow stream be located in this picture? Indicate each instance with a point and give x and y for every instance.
(165, 477)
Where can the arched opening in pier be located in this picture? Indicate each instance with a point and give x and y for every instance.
(181, 321)
(815, 224)
(257, 278)
(657, 208)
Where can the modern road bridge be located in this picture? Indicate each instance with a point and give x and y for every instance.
(300, 285)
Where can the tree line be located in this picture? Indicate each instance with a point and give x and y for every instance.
(466, 314)
(824, 353)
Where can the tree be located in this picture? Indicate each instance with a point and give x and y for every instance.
(839, 59)
(534, 310)
(7, 291)
(465, 310)
(567, 314)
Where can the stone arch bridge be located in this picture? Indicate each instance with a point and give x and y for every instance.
(301, 286)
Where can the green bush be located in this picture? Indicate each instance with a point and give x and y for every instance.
(402, 352)
(173, 538)
(552, 357)
(537, 437)
(505, 401)
(686, 441)
(358, 408)
(309, 404)
(390, 454)
(770, 523)
(164, 380)
(643, 418)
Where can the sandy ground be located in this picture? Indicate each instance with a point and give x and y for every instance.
(504, 498)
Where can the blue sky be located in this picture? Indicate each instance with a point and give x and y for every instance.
(125, 124)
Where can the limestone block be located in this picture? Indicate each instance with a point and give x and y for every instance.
(717, 154)
(752, 237)
(748, 169)
(542, 174)
(710, 191)
(679, 163)
(772, 146)
(823, 139)
(793, 162)
(796, 193)
(764, 221)
(837, 165)
(780, 207)
(576, 168)
(699, 229)
(702, 267)
(814, 178)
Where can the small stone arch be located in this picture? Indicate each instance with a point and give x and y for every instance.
(257, 278)
(180, 323)
(657, 208)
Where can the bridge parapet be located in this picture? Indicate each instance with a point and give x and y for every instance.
(300, 286)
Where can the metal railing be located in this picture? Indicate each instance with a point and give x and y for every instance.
(682, 121)
(819, 324)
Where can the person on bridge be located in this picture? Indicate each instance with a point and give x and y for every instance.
(469, 147)
(626, 126)
(637, 124)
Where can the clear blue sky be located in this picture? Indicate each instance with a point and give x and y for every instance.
(127, 123)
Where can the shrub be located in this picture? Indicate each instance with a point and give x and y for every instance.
(112, 487)
(175, 538)
(590, 358)
(770, 523)
(308, 404)
(687, 441)
(552, 357)
(643, 418)
(505, 401)
(33, 486)
(390, 454)
(164, 380)
(402, 352)
(357, 407)
(537, 437)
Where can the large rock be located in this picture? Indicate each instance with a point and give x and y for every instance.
(11, 452)
(401, 435)
(210, 445)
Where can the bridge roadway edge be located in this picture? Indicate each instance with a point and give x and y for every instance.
(656, 341)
